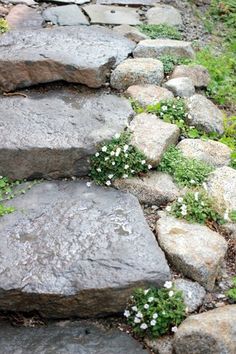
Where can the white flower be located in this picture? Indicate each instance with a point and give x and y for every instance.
(125, 176)
(126, 167)
(139, 314)
(204, 186)
(97, 154)
(153, 322)
(88, 184)
(190, 294)
(125, 147)
(104, 148)
(137, 320)
(226, 215)
(112, 153)
(155, 315)
(171, 293)
(164, 108)
(127, 313)
(143, 162)
(202, 203)
(132, 171)
(134, 308)
(106, 158)
(144, 326)
(110, 176)
(180, 200)
(99, 169)
(108, 183)
(168, 208)
(196, 194)
(163, 312)
(189, 116)
(113, 163)
(168, 284)
(118, 150)
(117, 136)
(149, 167)
(174, 329)
(150, 299)
(146, 291)
(146, 306)
(184, 212)
(192, 181)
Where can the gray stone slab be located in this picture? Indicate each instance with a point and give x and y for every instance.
(127, 2)
(54, 134)
(66, 337)
(22, 17)
(113, 15)
(15, 2)
(69, 250)
(68, 15)
(63, 53)
(164, 14)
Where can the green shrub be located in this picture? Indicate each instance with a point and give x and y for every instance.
(232, 292)
(4, 27)
(185, 171)
(195, 207)
(155, 312)
(117, 159)
(224, 10)
(171, 110)
(160, 31)
(232, 216)
(5, 210)
(170, 61)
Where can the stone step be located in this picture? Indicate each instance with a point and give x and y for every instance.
(53, 134)
(69, 250)
(67, 337)
(79, 54)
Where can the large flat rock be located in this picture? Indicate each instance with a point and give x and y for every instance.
(32, 57)
(54, 134)
(65, 337)
(69, 250)
(112, 15)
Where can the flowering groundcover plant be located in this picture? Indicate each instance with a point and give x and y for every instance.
(155, 312)
(117, 159)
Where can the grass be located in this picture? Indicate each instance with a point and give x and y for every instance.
(160, 31)
(4, 27)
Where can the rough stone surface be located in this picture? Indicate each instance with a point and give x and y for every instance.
(192, 249)
(221, 185)
(231, 230)
(65, 337)
(3, 11)
(153, 136)
(32, 57)
(193, 293)
(22, 17)
(211, 152)
(203, 114)
(68, 15)
(154, 48)
(148, 94)
(78, 2)
(181, 86)
(127, 2)
(155, 188)
(161, 345)
(164, 14)
(137, 71)
(54, 134)
(112, 15)
(130, 32)
(16, 2)
(197, 73)
(69, 250)
(212, 332)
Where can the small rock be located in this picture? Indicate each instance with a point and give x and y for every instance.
(204, 115)
(68, 15)
(193, 293)
(155, 188)
(152, 136)
(22, 17)
(127, 2)
(137, 71)
(146, 95)
(212, 332)
(154, 48)
(130, 32)
(161, 345)
(192, 249)
(231, 229)
(77, 2)
(164, 14)
(16, 2)
(112, 15)
(210, 152)
(221, 185)
(3, 11)
(197, 73)
(181, 86)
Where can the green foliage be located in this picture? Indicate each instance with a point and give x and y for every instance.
(4, 27)
(117, 159)
(5, 210)
(195, 207)
(5, 194)
(170, 110)
(155, 312)
(170, 61)
(185, 171)
(232, 292)
(160, 31)
(232, 216)
(225, 11)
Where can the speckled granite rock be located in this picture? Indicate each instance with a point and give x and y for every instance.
(197, 73)
(193, 293)
(180, 86)
(148, 94)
